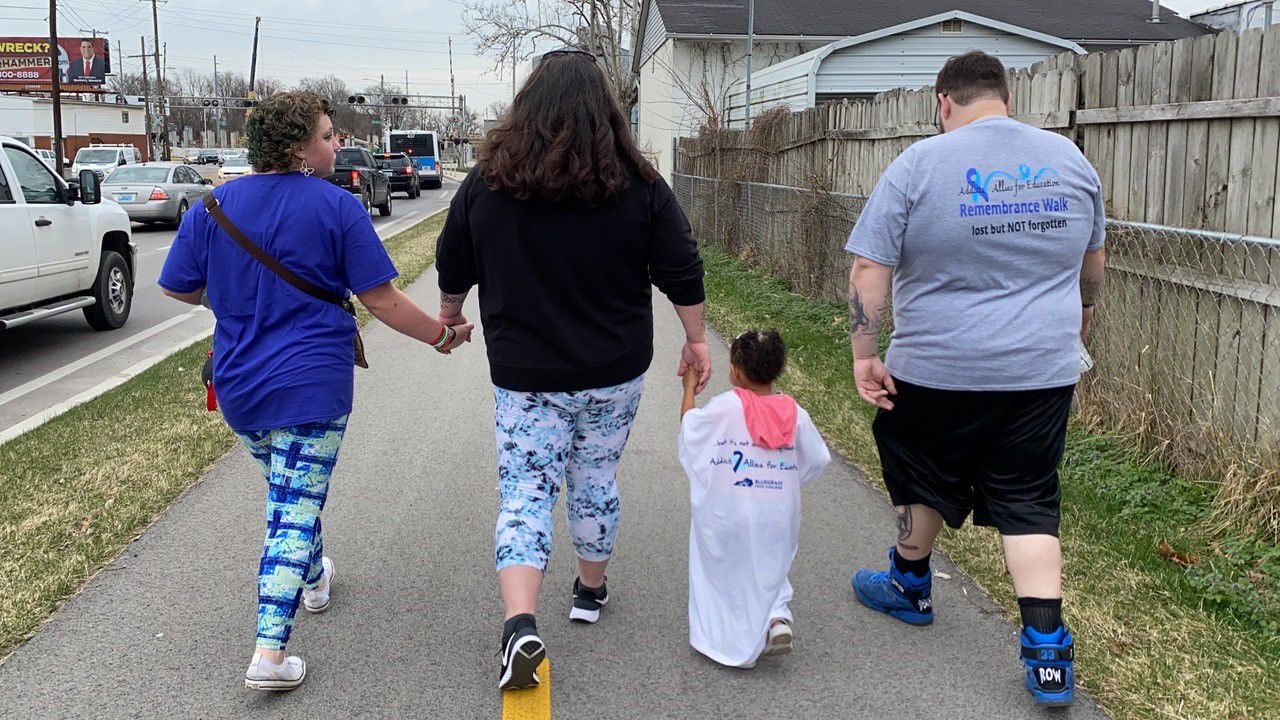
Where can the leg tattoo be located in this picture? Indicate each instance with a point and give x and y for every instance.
(904, 528)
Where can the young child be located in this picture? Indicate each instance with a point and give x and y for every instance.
(747, 454)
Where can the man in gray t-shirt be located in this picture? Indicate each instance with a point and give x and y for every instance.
(992, 237)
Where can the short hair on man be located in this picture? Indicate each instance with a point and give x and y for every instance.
(86, 40)
(972, 76)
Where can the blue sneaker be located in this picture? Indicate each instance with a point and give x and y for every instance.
(900, 595)
(1048, 658)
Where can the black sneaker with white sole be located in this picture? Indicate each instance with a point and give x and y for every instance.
(587, 602)
(522, 652)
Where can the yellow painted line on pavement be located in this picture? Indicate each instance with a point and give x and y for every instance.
(531, 703)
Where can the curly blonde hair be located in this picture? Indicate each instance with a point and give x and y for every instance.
(281, 127)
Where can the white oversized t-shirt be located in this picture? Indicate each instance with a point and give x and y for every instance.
(746, 526)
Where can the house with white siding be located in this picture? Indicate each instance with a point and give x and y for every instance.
(692, 53)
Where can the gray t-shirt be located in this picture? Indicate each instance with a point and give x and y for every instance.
(986, 227)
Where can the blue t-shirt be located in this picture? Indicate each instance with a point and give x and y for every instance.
(985, 227)
(281, 357)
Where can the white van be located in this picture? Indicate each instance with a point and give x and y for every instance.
(102, 159)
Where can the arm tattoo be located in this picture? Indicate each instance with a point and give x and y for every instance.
(857, 314)
(904, 528)
(1089, 290)
(452, 302)
(859, 322)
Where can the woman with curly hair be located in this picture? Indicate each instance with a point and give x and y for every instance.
(565, 228)
(282, 358)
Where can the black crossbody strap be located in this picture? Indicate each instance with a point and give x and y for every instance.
(284, 273)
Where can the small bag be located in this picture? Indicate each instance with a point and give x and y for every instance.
(284, 273)
(206, 377)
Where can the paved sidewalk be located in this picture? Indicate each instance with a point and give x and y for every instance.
(167, 630)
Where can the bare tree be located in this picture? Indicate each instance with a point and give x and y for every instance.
(510, 32)
(266, 87)
(124, 83)
(710, 72)
(498, 109)
(346, 118)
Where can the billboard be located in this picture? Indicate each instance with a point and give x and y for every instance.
(83, 63)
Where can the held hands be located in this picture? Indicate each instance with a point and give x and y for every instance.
(453, 335)
(875, 385)
(690, 380)
(695, 360)
(451, 320)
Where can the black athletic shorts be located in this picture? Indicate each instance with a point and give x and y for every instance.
(995, 453)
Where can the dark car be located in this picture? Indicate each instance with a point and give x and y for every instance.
(357, 171)
(400, 172)
(208, 157)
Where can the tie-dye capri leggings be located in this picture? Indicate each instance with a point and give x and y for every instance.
(544, 437)
(297, 463)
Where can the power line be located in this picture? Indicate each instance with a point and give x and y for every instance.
(331, 43)
(280, 21)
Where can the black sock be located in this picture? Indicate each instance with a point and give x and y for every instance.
(919, 568)
(515, 623)
(1041, 614)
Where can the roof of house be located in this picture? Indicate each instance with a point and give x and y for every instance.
(1078, 20)
(809, 63)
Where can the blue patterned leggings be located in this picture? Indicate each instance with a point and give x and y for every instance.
(544, 437)
(297, 463)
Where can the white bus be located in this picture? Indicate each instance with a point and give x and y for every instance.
(423, 149)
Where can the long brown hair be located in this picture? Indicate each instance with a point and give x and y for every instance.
(565, 139)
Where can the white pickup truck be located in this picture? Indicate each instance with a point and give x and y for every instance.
(61, 247)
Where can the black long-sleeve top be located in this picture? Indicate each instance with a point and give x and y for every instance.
(565, 290)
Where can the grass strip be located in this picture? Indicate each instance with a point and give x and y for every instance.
(1157, 635)
(78, 489)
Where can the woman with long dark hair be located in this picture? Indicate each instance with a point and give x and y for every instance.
(565, 227)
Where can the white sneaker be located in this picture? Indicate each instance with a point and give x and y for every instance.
(265, 675)
(317, 601)
(780, 639)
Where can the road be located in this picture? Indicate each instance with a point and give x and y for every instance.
(44, 366)
(166, 631)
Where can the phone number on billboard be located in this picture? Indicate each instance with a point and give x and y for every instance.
(19, 74)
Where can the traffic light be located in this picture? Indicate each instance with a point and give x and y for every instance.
(397, 100)
(357, 99)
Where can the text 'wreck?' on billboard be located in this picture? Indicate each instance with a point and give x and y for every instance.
(25, 62)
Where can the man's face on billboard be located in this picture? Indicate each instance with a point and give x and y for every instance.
(86, 50)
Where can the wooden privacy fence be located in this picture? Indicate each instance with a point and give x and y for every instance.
(1186, 140)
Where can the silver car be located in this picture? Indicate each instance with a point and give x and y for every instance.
(156, 191)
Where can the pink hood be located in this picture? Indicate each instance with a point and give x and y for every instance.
(771, 419)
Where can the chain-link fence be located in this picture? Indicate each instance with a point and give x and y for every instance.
(1186, 335)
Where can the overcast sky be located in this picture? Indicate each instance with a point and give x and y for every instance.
(356, 40)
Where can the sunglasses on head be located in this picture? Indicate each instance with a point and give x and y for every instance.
(571, 51)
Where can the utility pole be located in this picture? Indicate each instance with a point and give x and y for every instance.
(253, 64)
(751, 40)
(93, 33)
(457, 148)
(382, 122)
(146, 97)
(56, 76)
(408, 118)
(452, 92)
(120, 72)
(160, 89)
(217, 114)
